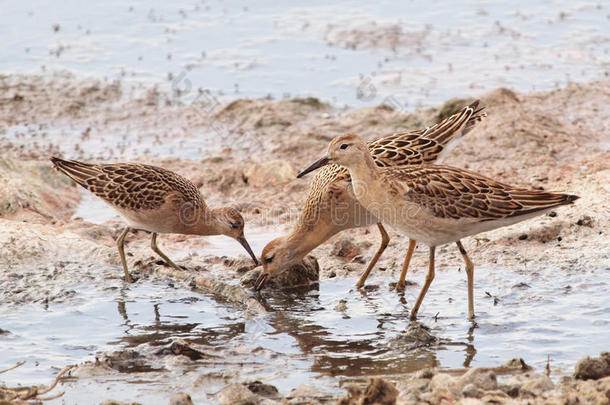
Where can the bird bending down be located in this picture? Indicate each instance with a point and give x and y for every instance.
(156, 200)
(331, 206)
(436, 204)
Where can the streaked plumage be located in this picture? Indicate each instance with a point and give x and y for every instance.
(153, 199)
(436, 204)
(331, 206)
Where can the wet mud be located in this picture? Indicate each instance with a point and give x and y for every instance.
(540, 286)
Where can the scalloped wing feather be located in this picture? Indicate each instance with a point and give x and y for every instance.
(131, 186)
(454, 193)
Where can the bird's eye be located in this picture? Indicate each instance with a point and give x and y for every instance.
(234, 225)
(343, 146)
(268, 259)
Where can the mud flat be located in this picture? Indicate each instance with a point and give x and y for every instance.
(540, 285)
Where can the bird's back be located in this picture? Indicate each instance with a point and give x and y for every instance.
(456, 201)
(400, 149)
(128, 186)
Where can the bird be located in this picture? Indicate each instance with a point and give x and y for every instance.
(331, 206)
(436, 204)
(156, 200)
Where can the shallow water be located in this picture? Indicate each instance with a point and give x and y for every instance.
(117, 142)
(561, 316)
(425, 53)
(283, 51)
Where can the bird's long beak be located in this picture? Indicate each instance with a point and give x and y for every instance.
(260, 281)
(322, 162)
(246, 246)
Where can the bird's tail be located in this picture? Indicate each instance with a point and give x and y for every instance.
(78, 171)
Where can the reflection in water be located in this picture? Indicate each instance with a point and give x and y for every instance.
(470, 350)
(350, 343)
(306, 331)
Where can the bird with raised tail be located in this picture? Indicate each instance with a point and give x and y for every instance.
(435, 204)
(331, 206)
(156, 200)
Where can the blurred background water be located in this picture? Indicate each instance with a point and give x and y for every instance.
(409, 54)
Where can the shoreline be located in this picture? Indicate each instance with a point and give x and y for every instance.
(557, 140)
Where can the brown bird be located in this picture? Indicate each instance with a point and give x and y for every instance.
(156, 200)
(331, 206)
(436, 204)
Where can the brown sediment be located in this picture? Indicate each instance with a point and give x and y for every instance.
(555, 140)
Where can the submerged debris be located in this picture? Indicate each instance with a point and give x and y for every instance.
(415, 336)
(36, 393)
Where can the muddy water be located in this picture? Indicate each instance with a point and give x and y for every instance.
(305, 338)
(353, 52)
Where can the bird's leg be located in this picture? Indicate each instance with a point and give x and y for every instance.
(403, 274)
(429, 278)
(470, 275)
(120, 245)
(153, 246)
(385, 239)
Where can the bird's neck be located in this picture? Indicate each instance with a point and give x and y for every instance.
(307, 235)
(364, 174)
(205, 223)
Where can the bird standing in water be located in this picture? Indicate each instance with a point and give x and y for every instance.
(331, 206)
(435, 204)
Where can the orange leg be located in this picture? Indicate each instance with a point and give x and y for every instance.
(470, 275)
(385, 239)
(403, 275)
(424, 290)
(120, 242)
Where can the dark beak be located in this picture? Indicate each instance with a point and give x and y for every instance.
(260, 281)
(322, 162)
(246, 246)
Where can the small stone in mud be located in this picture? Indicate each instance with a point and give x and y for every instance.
(303, 273)
(240, 265)
(585, 220)
(257, 387)
(237, 394)
(471, 391)
(593, 368)
(392, 285)
(378, 391)
(341, 306)
(181, 398)
(530, 384)
(481, 379)
(346, 248)
(518, 363)
(426, 373)
(416, 335)
(306, 394)
(180, 348)
(127, 361)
